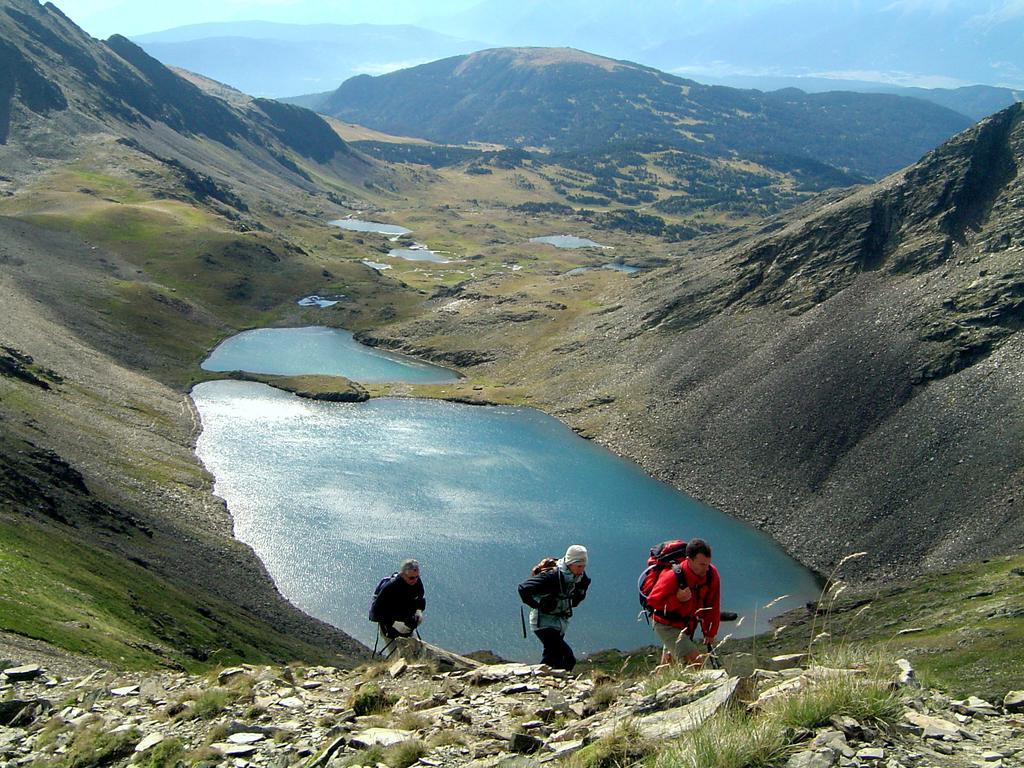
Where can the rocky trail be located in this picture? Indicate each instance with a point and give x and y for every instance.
(449, 711)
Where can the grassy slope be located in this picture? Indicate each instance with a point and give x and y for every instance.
(88, 601)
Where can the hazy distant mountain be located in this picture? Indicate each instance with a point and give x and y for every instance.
(269, 59)
(573, 101)
(903, 41)
(974, 101)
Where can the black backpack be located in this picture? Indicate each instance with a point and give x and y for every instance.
(376, 595)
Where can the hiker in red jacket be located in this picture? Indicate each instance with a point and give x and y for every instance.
(679, 608)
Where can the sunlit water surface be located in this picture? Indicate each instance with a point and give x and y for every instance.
(331, 496)
(318, 350)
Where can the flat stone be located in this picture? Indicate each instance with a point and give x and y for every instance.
(672, 723)
(850, 727)
(24, 672)
(992, 757)
(149, 742)
(246, 738)
(787, 661)
(226, 674)
(398, 668)
(127, 690)
(930, 727)
(383, 737)
(871, 753)
(234, 750)
(292, 702)
(812, 758)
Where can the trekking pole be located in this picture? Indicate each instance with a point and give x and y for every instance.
(522, 620)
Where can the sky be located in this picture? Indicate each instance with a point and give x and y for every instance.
(103, 18)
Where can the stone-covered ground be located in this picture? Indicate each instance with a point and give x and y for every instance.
(439, 713)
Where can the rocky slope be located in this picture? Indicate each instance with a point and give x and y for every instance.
(845, 377)
(423, 712)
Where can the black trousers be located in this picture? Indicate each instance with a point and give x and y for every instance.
(557, 653)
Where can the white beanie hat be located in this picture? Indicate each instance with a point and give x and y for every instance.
(575, 554)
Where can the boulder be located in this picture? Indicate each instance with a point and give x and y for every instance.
(1014, 701)
(149, 742)
(22, 673)
(525, 744)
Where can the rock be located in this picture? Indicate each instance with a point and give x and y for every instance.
(246, 738)
(1014, 701)
(22, 673)
(292, 702)
(929, 727)
(672, 723)
(525, 744)
(906, 676)
(234, 750)
(127, 690)
(851, 728)
(226, 674)
(871, 753)
(992, 757)
(787, 661)
(18, 714)
(396, 669)
(974, 706)
(498, 672)
(383, 737)
(816, 758)
(149, 742)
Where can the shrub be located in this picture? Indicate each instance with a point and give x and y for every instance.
(405, 753)
(92, 746)
(204, 705)
(164, 754)
(862, 698)
(371, 700)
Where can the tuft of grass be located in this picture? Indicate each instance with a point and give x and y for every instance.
(93, 746)
(411, 721)
(206, 704)
(371, 700)
(621, 749)
(730, 739)
(602, 696)
(166, 753)
(446, 738)
(862, 698)
(405, 753)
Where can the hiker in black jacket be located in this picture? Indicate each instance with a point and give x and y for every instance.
(552, 593)
(399, 602)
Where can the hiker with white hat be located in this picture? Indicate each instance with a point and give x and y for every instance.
(554, 589)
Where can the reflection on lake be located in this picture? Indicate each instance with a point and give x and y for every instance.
(358, 225)
(332, 496)
(317, 350)
(421, 253)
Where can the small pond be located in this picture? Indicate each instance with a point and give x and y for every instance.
(567, 241)
(358, 225)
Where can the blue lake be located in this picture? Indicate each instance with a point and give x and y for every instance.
(567, 241)
(626, 268)
(332, 496)
(292, 351)
(358, 225)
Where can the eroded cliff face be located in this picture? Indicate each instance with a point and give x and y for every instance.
(846, 377)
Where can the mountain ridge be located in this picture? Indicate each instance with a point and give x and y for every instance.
(575, 101)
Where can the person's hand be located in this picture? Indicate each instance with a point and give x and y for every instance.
(684, 595)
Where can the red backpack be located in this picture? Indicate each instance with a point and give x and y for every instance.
(668, 554)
